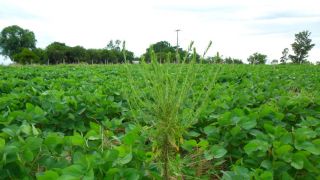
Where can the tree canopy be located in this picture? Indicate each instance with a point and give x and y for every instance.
(301, 47)
(13, 39)
(257, 58)
(20, 46)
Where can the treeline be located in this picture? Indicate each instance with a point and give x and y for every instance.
(167, 53)
(19, 45)
(57, 53)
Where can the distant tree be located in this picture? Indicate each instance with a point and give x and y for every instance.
(318, 63)
(76, 54)
(116, 45)
(284, 58)
(217, 59)
(230, 60)
(161, 49)
(26, 56)
(13, 39)
(257, 58)
(93, 56)
(301, 47)
(110, 45)
(237, 61)
(57, 52)
(129, 56)
(42, 54)
(275, 61)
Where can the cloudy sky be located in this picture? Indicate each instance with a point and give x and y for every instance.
(237, 28)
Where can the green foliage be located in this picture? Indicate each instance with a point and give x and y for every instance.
(56, 52)
(170, 104)
(284, 58)
(301, 47)
(165, 53)
(77, 122)
(257, 58)
(230, 60)
(26, 56)
(13, 39)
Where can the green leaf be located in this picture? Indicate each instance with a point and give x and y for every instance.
(2, 144)
(189, 144)
(73, 171)
(209, 130)
(218, 151)
(53, 139)
(235, 130)
(48, 175)
(35, 131)
(266, 175)
(131, 174)
(284, 149)
(125, 155)
(256, 145)
(247, 123)
(208, 155)
(77, 140)
(110, 155)
(203, 144)
(33, 143)
(92, 135)
(297, 161)
(266, 164)
(193, 134)
(28, 155)
(225, 119)
(304, 133)
(310, 147)
(130, 138)
(124, 160)
(25, 128)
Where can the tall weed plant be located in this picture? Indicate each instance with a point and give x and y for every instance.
(167, 98)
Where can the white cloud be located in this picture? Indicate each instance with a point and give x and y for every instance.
(237, 28)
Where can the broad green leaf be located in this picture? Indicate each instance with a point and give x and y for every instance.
(304, 133)
(53, 139)
(235, 130)
(297, 161)
(284, 149)
(193, 134)
(266, 175)
(209, 130)
(189, 145)
(74, 171)
(48, 175)
(124, 160)
(225, 119)
(2, 144)
(309, 146)
(218, 151)
(92, 135)
(33, 143)
(130, 138)
(266, 164)
(27, 155)
(256, 145)
(247, 123)
(203, 144)
(77, 140)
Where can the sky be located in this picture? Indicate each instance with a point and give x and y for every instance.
(236, 28)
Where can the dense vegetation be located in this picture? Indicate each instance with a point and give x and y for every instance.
(20, 46)
(76, 122)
